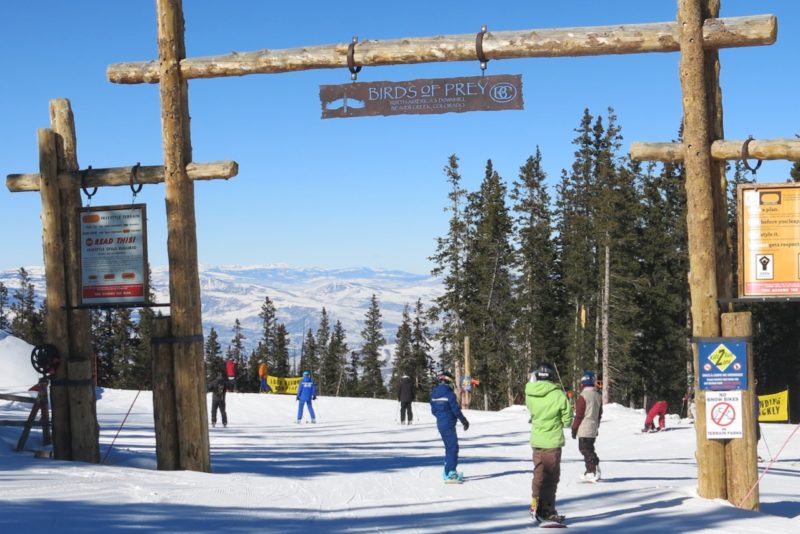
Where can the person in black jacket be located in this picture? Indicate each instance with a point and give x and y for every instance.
(405, 395)
(218, 389)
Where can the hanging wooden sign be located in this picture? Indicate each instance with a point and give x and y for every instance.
(113, 255)
(420, 97)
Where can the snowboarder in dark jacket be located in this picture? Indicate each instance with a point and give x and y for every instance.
(405, 395)
(444, 407)
(217, 389)
(306, 392)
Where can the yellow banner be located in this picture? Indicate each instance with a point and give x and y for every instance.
(774, 407)
(286, 386)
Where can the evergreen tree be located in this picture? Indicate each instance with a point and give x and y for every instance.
(280, 359)
(108, 367)
(537, 287)
(352, 386)
(309, 360)
(448, 263)
(28, 323)
(5, 324)
(337, 360)
(371, 360)
(490, 312)
(236, 352)
(213, 356)
(422, 372)
(403, 356)
(266, 345)
(141, 368)
(326, 371)
(125, 344)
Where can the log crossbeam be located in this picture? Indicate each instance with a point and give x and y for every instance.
(718, 33)
(721, 150)
(121, 176)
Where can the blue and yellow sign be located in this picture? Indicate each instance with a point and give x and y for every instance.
(723, 363)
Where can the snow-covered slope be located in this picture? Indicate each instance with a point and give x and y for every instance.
(357, 470)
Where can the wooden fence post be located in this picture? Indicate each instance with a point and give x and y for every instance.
(165, 417)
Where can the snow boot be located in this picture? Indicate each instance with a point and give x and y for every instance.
(454, 477)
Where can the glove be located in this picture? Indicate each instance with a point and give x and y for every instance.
(466, 425)
(314, 397)
(574, 433)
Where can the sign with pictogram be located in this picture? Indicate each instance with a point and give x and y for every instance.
(724, 415)
(769, 239)
(723, 363)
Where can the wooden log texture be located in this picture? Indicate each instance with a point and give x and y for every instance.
(85, 432)
(701, 226)
(56, 319)
(723, 149)
(558, 42)
(184, 279)
(121, 176)
(165, 415)
(741, 455)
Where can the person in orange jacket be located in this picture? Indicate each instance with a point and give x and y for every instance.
(263, 369)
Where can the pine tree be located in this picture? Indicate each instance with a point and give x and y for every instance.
(537, 287)
(5, 324)
(266, 345)
(141, 368)
(280, 359)
(108, 369)
(371, 360)
(352, 385)
(449, 263)
(309, 360)
(213, 356)
(422, 371)
(490, 312)
(125, 345)
(403, 356)
(28, 323)
(326, 371)
(236, 352)
(337, 358)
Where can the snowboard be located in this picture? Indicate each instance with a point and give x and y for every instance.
(544, 523)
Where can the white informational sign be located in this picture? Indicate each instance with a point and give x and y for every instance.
(113, 255)
(724, 414)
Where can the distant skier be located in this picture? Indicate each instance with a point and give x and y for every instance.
(306, 392)
(658, 409)
(405, 394)
(263, 370)
(444, 406)
(550, 413)
(218, 388)
(230, 371)
(588, 412)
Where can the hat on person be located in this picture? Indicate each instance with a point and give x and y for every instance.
(545, 371)
(587, 379)
(445, 376)
(306, 373)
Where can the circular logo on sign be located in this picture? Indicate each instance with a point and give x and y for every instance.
(707, 367)
(737, 366)
(89, 242)
(503, 92)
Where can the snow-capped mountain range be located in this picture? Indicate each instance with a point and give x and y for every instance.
(299, 294)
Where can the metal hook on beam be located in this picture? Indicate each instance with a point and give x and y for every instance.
(484, 61)
(746, 154)
(351, 62)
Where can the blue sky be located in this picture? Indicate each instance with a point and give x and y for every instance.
(345, 192)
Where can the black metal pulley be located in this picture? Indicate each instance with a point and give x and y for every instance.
(45, 359)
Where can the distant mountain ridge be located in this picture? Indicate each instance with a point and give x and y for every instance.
(299, 294)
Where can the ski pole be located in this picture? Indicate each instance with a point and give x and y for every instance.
(559, 377)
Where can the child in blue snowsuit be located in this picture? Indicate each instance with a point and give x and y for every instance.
(444, 406)
(306, 392)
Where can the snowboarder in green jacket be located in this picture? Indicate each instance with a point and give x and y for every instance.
(550, 413)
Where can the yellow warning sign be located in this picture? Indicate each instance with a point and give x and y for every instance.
(722, 357)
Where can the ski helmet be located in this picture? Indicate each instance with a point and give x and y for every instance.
(587, 379)
(545, 371)
(306, 373)
(445, 377)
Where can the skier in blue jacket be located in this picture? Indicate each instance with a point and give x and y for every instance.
(306, 392)
(444, 407)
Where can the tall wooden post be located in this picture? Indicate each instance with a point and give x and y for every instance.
(741, 454)
(57, 328)
(184, 280)
(701, 226)
(165, 416)
(85, 432)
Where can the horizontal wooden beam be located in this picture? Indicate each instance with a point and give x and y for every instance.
(779, 148)
(122, 176)
(558, 42)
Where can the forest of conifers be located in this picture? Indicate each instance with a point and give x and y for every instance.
(591, 275)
